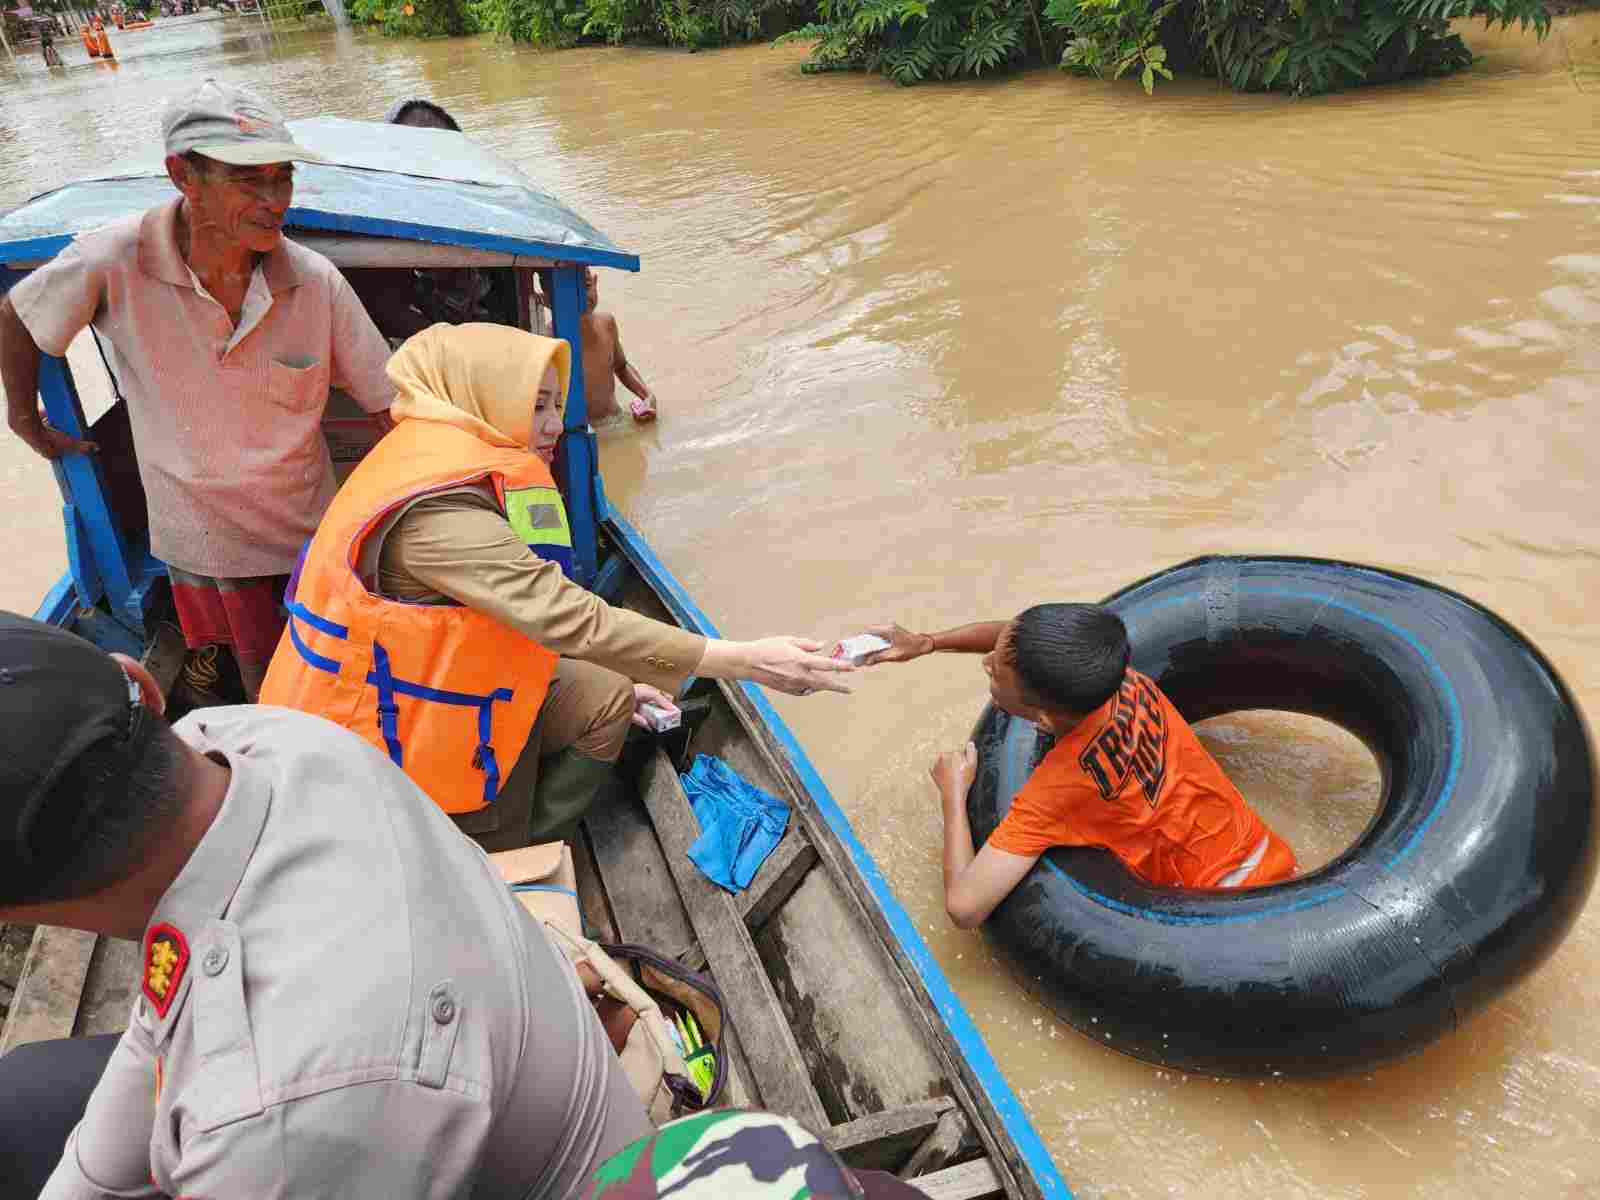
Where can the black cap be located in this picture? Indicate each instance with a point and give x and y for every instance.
(60, 696)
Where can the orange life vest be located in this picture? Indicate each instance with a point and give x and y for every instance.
(450, 694)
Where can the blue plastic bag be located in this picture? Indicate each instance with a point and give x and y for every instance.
(739, 823)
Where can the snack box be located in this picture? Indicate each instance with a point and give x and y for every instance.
(659, 718)
(853, 649)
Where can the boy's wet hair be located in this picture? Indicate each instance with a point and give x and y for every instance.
(420, 112)
(1072, 657)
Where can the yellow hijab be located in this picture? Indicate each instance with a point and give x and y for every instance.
(479, 377)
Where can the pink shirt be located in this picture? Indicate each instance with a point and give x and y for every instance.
(226, 421)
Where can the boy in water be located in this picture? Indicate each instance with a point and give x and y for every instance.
(604, 363)
(1126, 773)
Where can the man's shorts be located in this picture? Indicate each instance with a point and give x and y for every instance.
(246, 613)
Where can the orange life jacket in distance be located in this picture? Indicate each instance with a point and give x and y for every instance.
(448, 693)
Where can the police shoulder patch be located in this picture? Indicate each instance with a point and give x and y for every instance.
(166, 957)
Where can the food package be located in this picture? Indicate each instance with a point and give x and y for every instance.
(853, 649)
(660, 718)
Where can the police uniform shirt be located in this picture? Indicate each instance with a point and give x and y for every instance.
(341, 998)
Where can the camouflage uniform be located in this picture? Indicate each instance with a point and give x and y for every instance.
(736, 1155)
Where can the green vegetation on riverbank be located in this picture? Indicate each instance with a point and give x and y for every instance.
(1298, 46)
(1303, 47)
(557, 23)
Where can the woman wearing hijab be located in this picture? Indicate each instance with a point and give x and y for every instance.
(434, 613)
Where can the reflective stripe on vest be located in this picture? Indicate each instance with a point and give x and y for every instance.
(540, 519)
(389, 687)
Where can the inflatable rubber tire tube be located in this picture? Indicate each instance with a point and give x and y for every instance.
(1477, 863)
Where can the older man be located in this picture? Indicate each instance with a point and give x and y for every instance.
(340, 997)
(227, 338)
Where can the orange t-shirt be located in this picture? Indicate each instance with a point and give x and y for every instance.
(1133, 777)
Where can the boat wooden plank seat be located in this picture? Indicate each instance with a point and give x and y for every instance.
(773, 1055)
(975, 1180)
(50, 988)
(882, 1140)
(636, 901)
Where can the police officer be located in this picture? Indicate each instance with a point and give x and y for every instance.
(339, 995)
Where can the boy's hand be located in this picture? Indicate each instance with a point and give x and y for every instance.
(954, 770)
(903, 645)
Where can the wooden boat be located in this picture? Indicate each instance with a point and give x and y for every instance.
(841, 1016)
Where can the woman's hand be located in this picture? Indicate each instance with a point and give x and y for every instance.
(644, 694)
(793, 665)
(954, 770)
(903, 645)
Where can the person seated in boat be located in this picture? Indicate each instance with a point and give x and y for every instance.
(339, 995)
(227, 340)
(459, 643)
(605, 362)
(407, 302)
(1127, 773)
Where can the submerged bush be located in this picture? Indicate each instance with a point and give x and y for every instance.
(913, 40)
(1112, 37)
(1298, 46)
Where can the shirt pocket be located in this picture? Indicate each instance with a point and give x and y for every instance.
(301, 388)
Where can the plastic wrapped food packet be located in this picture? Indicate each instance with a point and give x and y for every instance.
(660, 718)
(853, 649)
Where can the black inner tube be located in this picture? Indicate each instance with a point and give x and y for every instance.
(1474, 868)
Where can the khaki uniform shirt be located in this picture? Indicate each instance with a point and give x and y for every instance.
(349, 1003)
(459, 546)
(226, 421)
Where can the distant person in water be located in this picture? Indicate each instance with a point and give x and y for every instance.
(421, 114)
(1127, 773)
(604, 362)
(47, 41)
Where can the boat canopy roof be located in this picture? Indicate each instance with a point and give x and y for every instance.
(388, 195)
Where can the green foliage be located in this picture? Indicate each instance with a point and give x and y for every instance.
(1307, 47)
(542, 22)
(1302, 47)
(416, 18)
(913, 40)
(692, 23)
(1113, 37)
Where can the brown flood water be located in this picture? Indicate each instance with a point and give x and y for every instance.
(939, 353)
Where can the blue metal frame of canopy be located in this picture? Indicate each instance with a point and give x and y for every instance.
(401, 192)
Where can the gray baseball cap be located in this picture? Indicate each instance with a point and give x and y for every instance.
(231, 125)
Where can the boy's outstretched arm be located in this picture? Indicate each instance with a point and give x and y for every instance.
(978, 638)
(628, 373)
(973, 883)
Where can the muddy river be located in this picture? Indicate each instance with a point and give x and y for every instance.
(936, 354)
